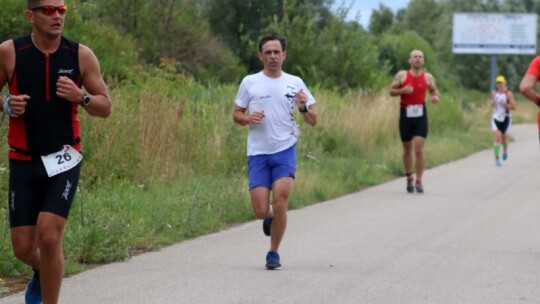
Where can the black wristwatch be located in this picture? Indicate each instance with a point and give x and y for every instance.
(86, 100)
(305, 110)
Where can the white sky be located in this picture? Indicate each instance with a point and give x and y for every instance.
(366, 7)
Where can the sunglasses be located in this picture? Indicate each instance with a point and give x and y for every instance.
(49, 10)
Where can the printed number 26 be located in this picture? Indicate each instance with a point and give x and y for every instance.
(63, 158)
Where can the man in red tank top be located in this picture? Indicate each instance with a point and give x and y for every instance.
(412, 85)
(532, 76)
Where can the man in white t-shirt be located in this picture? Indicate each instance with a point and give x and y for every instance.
(266, 103)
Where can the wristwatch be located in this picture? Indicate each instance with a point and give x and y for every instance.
(86, 100)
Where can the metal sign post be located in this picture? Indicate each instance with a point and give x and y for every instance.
(493, 72)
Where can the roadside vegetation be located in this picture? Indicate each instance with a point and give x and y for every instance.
(169, 164)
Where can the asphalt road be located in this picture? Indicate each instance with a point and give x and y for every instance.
(473, 237)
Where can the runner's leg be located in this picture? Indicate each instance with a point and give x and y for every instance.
(24, 243)
(420, 158)
(260, 198)
(497, 135)
(50, 231)
(408, 156)
(281, 190)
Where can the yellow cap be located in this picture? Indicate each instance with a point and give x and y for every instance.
(500, 79)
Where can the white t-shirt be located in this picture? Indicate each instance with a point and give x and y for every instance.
(278, 130)
(500, 111)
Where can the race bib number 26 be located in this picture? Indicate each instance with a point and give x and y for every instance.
(61, 161)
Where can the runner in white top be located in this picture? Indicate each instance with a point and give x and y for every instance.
(266, 102)
(276, 98)
(501, 120)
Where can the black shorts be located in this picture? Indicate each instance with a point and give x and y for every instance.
(32, 191)
(411, 127)
(502, 126)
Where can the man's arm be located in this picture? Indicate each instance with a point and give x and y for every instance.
(395, 87)
(239, 116)
(526, 87)
(17, 103)
(308, 112)
(511, 105)
(432, 87)
(100, 103)
(242, 118)
(7, 64)
(92, 81)
(310, 117)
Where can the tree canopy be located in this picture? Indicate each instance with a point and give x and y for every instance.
(215, 41)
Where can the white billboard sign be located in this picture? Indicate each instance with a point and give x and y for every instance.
(490, 33)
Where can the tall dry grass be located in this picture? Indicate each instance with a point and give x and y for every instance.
(369, 119)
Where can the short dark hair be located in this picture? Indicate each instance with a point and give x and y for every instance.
(32, 3)
(270, 37)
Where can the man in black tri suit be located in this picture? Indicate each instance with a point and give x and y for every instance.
(45, 73)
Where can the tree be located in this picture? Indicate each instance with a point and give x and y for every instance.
(12, 20)
(241, 23)
(381, 20)
(329, 51)
(422, 17)
(395, 50)
(237, 22)
(170, 29)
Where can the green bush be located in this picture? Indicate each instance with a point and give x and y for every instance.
(12, 20)
(446, 115)
(334, 55)
(395, 50)
(117, 54)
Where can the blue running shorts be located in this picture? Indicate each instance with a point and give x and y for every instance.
(265, 169)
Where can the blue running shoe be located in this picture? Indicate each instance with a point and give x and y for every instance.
(267, 223)
(497, 162)
(272, 260)
(410, 183)
(505, 156)
(32, 295)
(410, 187)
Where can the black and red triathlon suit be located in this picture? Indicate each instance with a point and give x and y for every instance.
(415, 126)
(49, 123)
